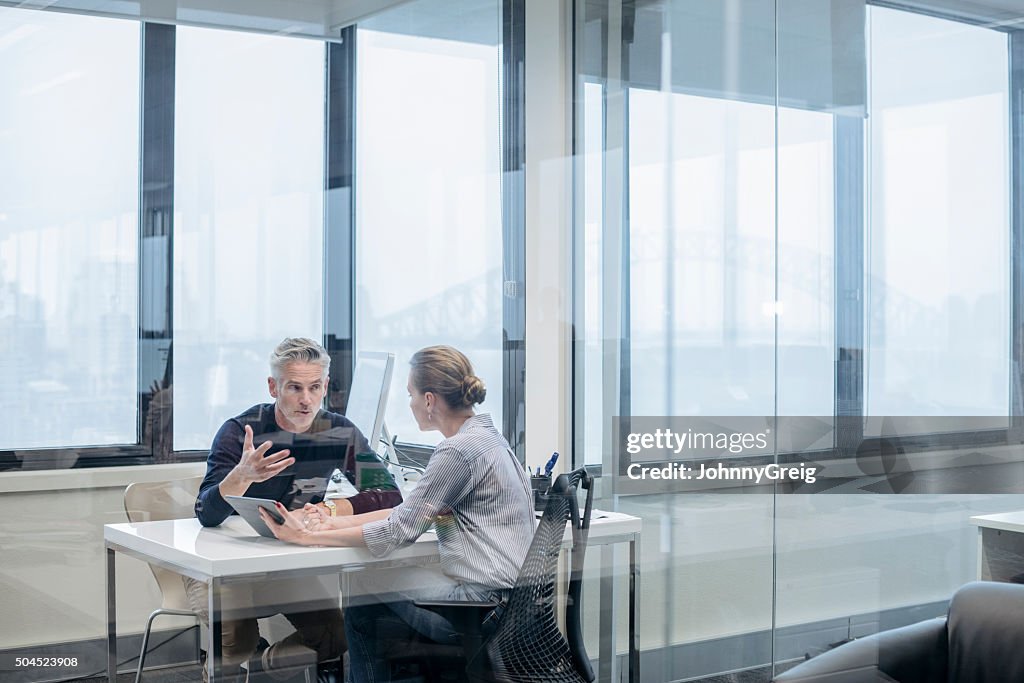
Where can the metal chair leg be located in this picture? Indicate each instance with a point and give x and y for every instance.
(149, 628)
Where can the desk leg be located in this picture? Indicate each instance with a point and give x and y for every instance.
(1001, 555)
(981, 555)
(634, 603)
(111, 619)
(607, 671)
(344, 586)
(214, 653)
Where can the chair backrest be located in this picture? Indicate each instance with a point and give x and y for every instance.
(985, 628)
(580, 535)
(527, 644)
(978, 642)
(153, 501)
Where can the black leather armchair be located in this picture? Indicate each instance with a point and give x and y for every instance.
(980, 641)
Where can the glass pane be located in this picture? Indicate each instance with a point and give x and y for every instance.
(248, 224)
(588, 382)
(675, 237)
(428, 226)
(936, 266)
(938, 306)
(702, 272)
(851, 565)
(806, 267)
(702, 255)
(69, 141)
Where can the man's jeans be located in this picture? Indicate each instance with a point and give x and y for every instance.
(310, 608)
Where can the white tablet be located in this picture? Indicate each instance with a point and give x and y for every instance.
(249, 510)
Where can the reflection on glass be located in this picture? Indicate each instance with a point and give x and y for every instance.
(69, 139)
(855, 557)
(589, 380)
(734, 275)
(936, 334)
(937, 322)
(702, 255)
(806, 264)
(248, 224)
(429, 238)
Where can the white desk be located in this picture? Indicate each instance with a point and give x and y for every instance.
(1000, 545)
(234, 552)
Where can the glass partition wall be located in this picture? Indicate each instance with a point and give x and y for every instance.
(176, 197)
(798, 210)
(429, 228)
(249, 216)
(802, 209)
(936, 317)
(68, 269)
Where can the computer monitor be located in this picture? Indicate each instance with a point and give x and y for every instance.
(368, 397)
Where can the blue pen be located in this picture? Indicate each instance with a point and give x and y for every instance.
(551, 464)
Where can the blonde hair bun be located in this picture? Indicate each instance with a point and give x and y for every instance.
(473, 390)
(447, 372)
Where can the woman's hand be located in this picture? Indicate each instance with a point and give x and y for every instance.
(315, 517)
(292, 531)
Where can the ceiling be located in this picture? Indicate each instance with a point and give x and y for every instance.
(464, 19)
(1005, 13)
(313, 18)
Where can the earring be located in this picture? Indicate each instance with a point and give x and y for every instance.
(430, 416)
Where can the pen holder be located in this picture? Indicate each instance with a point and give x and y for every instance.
(540, 483)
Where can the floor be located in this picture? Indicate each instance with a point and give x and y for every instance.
(191, 674)
(178, 674)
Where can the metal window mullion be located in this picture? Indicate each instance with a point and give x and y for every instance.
(614, 274)
(850, 272)
(1016, 161)
(580, 380)
(513, 223)
(156, 233)
(339, 215)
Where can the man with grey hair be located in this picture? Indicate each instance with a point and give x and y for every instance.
(298, 382)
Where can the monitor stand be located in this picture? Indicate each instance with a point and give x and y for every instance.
(390, 454)
(405, 475)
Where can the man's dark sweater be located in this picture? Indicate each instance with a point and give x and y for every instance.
(226, 452)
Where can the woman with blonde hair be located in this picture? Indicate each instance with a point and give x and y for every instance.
(474, 491)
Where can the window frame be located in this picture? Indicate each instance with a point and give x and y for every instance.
(156, 216)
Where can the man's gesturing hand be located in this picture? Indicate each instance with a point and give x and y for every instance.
(256, 465)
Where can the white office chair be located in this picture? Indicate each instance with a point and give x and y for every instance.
(152, 501)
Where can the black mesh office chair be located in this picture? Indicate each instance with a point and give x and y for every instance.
(526, 645)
